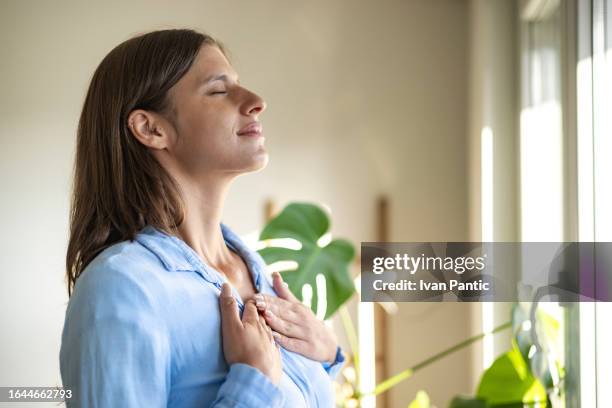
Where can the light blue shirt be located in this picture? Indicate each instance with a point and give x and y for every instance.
(143, 329)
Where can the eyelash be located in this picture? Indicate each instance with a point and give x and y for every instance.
(218, 93)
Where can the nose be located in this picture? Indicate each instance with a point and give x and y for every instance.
(254, 104)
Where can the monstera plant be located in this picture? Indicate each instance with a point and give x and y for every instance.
(530, 373)
(525, 375)
(307, 223)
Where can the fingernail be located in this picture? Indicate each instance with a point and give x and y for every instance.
(276, 335)
(269, 313)
(260, 304)
(285, 284)
(278, 275)
(258, 297)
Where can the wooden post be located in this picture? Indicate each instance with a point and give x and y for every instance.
(270, 210)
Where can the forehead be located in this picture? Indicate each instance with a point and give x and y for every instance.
(210, 61)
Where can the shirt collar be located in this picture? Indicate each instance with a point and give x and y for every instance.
(177, 256)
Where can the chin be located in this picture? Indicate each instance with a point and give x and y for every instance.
(261, 162)
(257, 162)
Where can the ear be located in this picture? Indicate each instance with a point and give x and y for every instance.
(149, 129)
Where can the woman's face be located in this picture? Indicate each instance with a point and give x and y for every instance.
(215, 127)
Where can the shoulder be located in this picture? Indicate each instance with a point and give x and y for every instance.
(115, 330)
(125, 275)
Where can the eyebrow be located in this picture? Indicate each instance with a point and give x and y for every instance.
(217, 77)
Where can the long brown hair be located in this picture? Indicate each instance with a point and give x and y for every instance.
(118, 186)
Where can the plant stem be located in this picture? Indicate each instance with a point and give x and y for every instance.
(393, 381)
(351, 335)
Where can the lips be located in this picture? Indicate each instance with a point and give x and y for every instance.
(252, 129)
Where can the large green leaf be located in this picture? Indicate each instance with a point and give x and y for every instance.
(521, 328)
(307, 223)
(467, 402)
(509, 382)
(542, 359)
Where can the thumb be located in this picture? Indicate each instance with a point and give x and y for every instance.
(230, 319)
(281, 288)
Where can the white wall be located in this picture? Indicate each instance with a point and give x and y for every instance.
(363, 98)
(494, 104)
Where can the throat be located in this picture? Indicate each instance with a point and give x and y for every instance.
(238, 274)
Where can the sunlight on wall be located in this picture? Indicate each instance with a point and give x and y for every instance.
(602, 131)
(585, 152)
(542, 172)
(321, 296)
(307, 295)
(280, 242)
(324, 240)
(486, 196)
(586, 227)
(367, 364)
(603, 213)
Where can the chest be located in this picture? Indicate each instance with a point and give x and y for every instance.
(198, 363)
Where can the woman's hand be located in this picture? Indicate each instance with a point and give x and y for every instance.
(295, 327)
(248, 341)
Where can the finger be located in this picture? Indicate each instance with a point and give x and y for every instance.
(286, 327)
(262, 323)
(266, 330)
(230, 319)
(282, 308)
(282, 289)
(260, 301)
(290, 343)
(250, 314)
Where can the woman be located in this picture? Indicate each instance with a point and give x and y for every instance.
(168, 306)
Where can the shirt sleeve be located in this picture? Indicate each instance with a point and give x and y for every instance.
(334, 368)
(115, 352)
(247, 387)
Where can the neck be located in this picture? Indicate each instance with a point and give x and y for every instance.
(201, 228)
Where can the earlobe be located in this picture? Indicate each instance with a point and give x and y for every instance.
(145, 127)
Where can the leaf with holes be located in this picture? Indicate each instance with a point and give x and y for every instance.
(307, 223)
(509, 382)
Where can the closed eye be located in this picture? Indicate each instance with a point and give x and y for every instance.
(218, 93)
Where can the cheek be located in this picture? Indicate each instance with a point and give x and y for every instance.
(209, 132)
(209, 142)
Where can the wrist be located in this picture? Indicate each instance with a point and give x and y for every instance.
(270, 370)
(332, 352)
(269, 373)
(331, 359)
